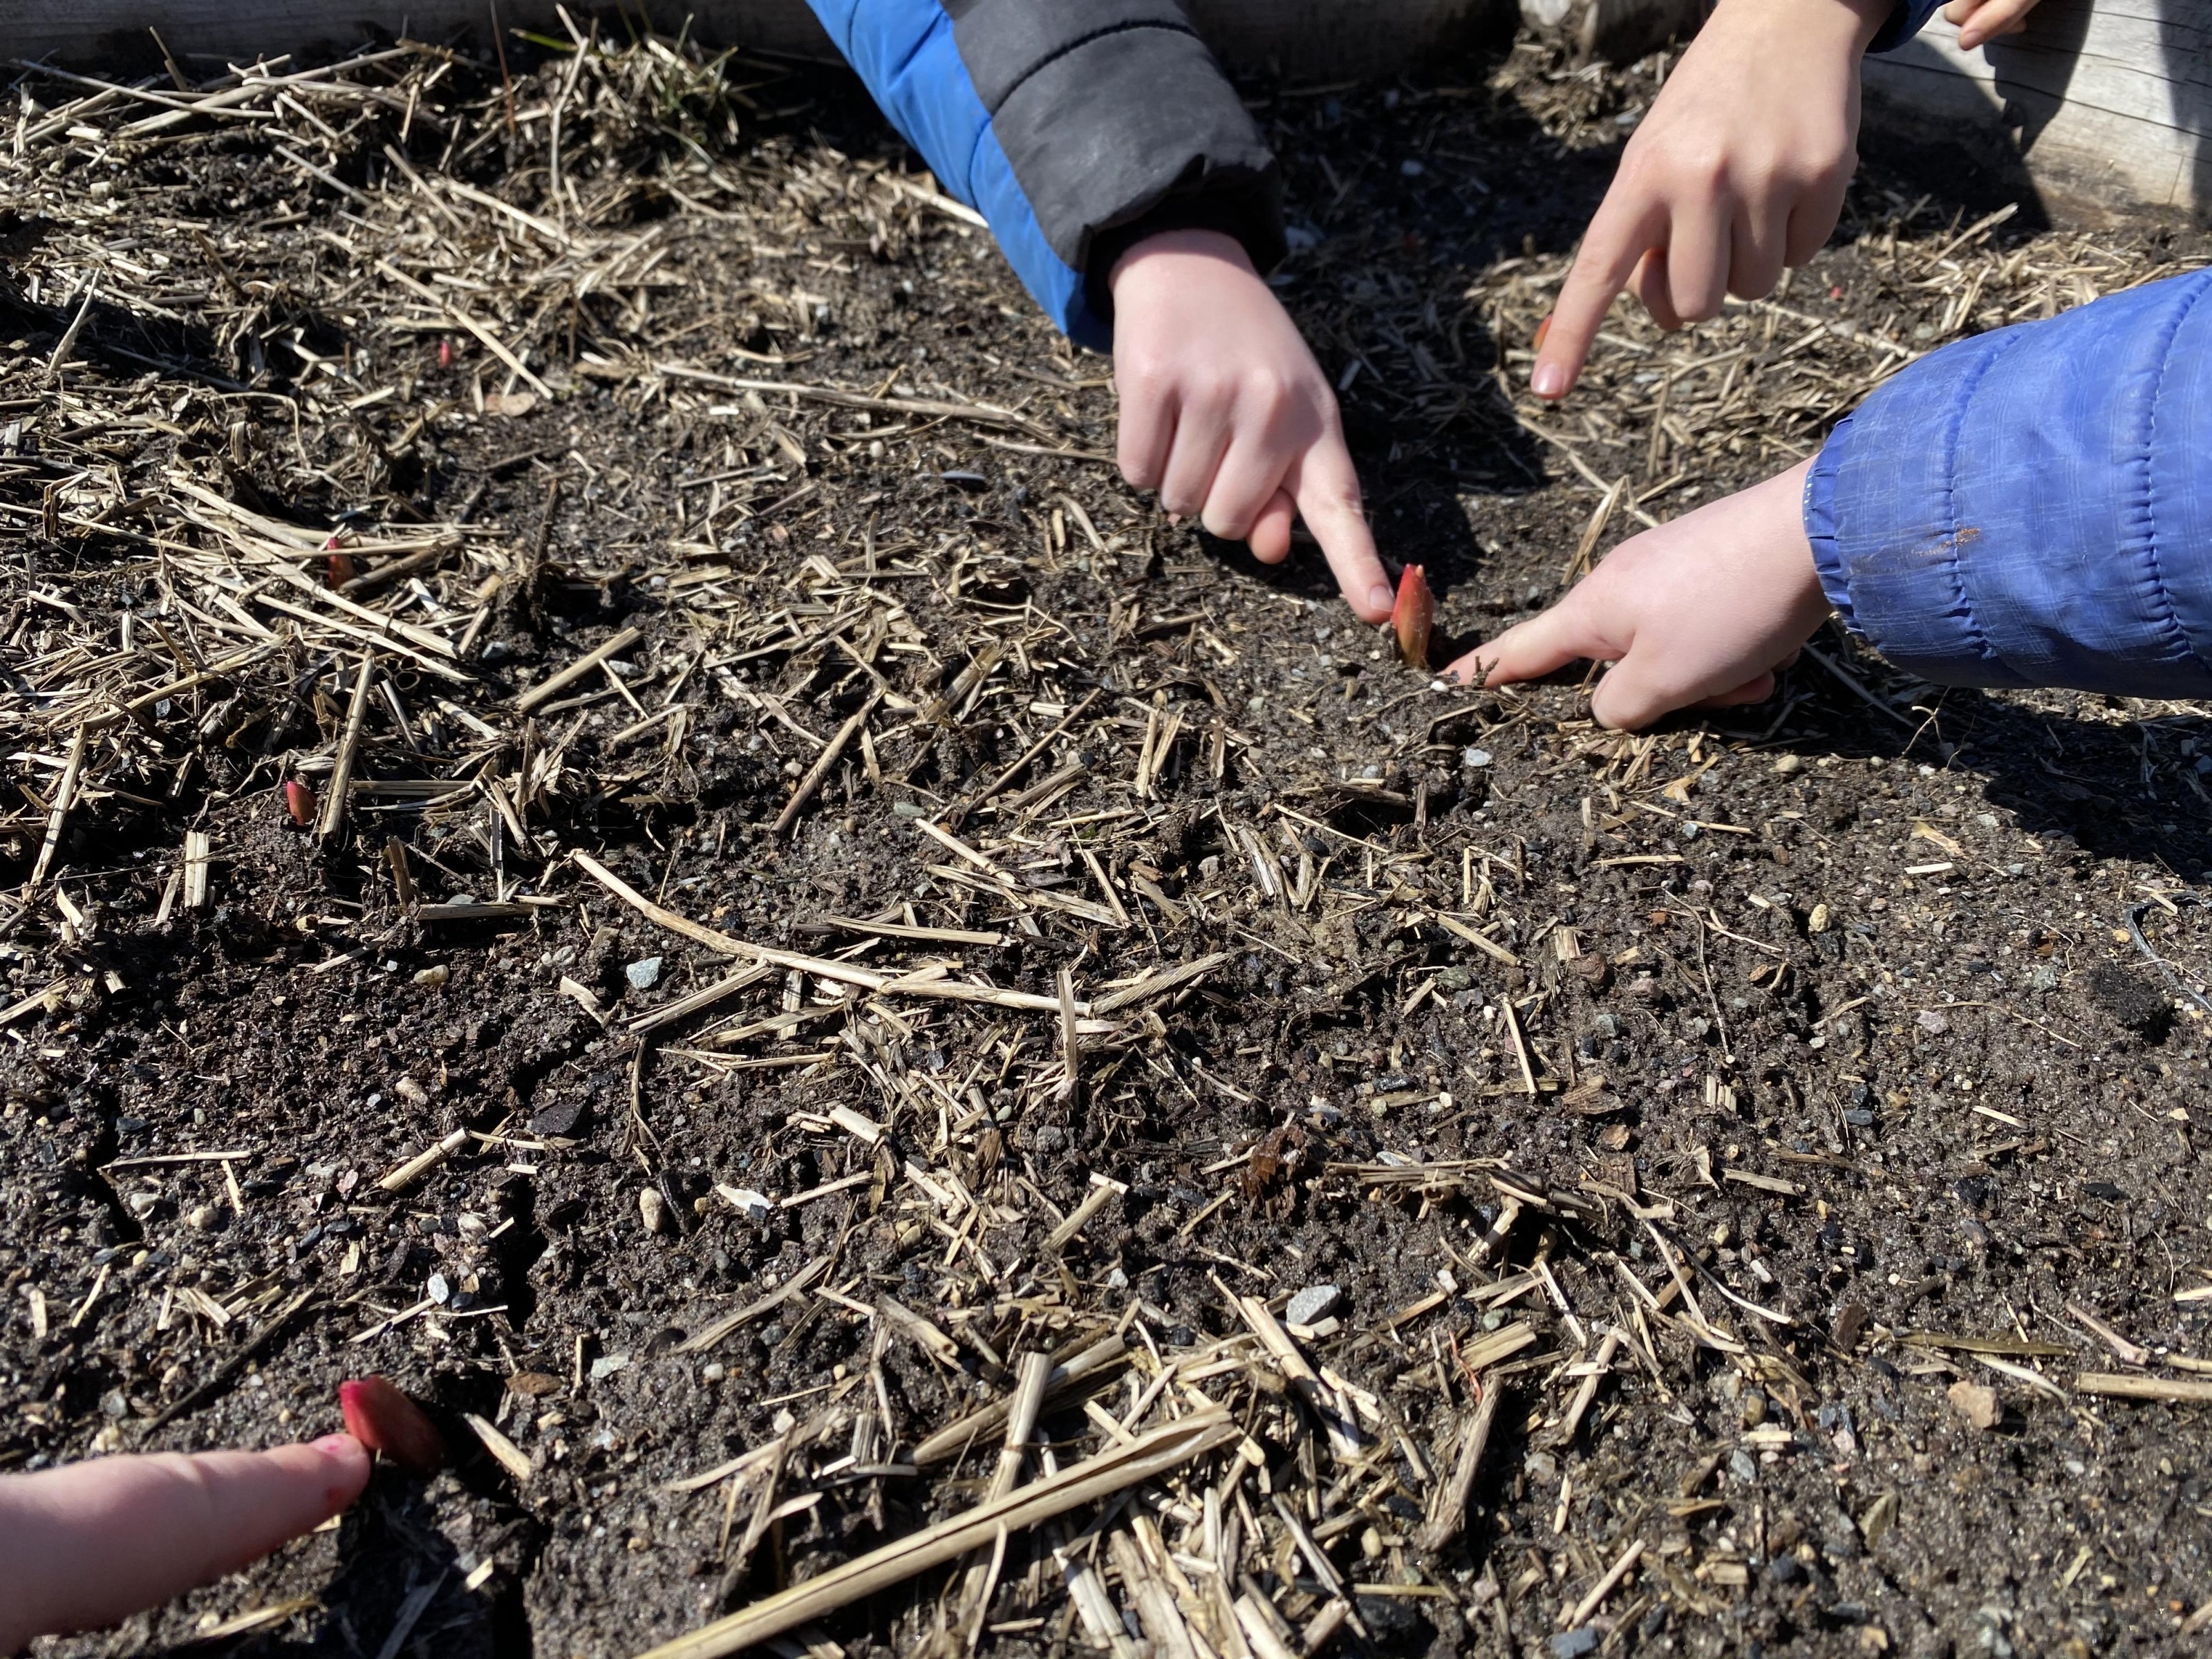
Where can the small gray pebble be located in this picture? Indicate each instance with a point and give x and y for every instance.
(644, 974)
(607, 1364)
(1475, 758)
(1313, 1304)
(1839, 1538)
(1573, 1644)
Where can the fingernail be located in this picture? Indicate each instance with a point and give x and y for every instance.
(1550, 381)
(1379, 598)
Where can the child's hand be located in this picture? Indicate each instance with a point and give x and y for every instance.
(1700, 611)
(94, 1542)
(1225, 413)
(1981, 21)
(1738, 170)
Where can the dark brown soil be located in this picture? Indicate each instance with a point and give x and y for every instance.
(1840, 990)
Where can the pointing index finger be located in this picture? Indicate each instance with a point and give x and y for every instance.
(1327, 491)
(1528, 650)
(91, 1543)
(1616, 238)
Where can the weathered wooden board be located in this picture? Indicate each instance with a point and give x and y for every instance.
(1333, 39)
(2106, 103)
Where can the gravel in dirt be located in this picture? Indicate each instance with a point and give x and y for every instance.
(619, 820)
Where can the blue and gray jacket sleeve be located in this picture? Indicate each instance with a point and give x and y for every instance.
(1907, 20)
(1074, 128)
(2033, 506)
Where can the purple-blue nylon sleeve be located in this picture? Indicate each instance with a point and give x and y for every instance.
(904, 50)
(2033, 506)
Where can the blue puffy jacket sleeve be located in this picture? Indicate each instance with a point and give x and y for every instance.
(1074, 129)
(2033, 506)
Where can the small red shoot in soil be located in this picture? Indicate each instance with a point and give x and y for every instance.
(445, 354)
(340, 570)
(385, 1420)
(1542, 329)
(1416, 613)
(299, 802)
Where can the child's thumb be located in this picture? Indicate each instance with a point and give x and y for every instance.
(1632, 695)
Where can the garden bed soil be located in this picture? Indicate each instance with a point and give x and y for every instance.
(1733, 1104)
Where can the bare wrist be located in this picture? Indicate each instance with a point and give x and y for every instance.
(1188, 244)
(1854, 23)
